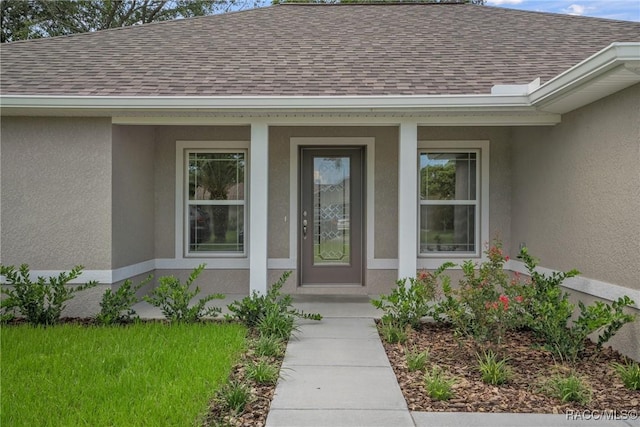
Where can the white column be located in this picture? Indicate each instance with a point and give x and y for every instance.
(408, 200)
(258, 206)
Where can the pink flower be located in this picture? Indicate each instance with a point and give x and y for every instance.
(505, 301)
(519, 298)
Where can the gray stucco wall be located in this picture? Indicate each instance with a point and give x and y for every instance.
(165, 174)
(576, 198)
(56, 192)
(133, 195)
(500, 185)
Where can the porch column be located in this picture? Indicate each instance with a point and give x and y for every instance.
(258, 206)
(407, 200)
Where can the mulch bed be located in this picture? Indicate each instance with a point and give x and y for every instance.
(531, 366)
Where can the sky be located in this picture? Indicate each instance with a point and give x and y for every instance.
(625, 10)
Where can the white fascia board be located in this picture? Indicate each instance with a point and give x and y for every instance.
(609, 58)
(260, 103)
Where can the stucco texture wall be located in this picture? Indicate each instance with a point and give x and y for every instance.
(56, 192)
(500, 186)
(133, 195)
(576, 198)
(165, 174)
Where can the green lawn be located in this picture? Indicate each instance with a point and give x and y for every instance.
(148, 374)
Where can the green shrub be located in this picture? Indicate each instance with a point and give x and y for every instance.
(438, 385)
(417, 360)
(262, 372)
(174, 297)
(629, 373)
(479, 307)
(250, 310)
(115, 307)
(40, 302)
(493, 371)
(569, 388)
(549, 310)
(407, 304)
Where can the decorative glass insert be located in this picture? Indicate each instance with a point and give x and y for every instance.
(448, 202)
(331, 206)
(216, 201)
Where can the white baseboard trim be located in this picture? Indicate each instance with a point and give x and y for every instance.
(593, 287)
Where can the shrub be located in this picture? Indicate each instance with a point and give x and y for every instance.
(479, 307)
(438, 385)
(115, 307)
(250, 310)
(407, 304)
(40, 302)
(549, 310)
(570, 388)
(417, 360)
(493, 371)
(629, 373)
(262, 372)
(173, 298)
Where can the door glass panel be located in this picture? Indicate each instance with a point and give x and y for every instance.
(331, 210)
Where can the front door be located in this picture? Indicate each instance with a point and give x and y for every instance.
(331, 216)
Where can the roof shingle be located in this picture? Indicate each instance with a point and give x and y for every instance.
(294, 50)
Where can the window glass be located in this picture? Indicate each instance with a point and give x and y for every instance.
(448, 202)
(216, 199)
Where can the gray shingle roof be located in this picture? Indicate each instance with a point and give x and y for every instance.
(409, 49)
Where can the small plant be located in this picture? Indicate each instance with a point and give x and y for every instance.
(234, 396)
(417, 360)
(276, 323)
(173, 298)
(629, 373)
(438, 385)
(269, 346)
(40, 302)
(569, 388)
(250, 310)
(115, 307)
(407, 304)
(262, 372)
(493, 371)
(393, 333)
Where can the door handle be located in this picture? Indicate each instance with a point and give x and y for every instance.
(304, 228)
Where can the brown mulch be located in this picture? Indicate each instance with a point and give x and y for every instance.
(531, 365)
(256, 411)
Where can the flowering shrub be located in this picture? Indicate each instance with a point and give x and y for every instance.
(479, 307)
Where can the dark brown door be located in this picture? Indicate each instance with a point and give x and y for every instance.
(331, 216)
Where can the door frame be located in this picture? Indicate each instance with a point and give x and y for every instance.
(368, 144)
(358, 202)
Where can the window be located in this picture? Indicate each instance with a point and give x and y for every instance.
(215, 208)
(449, 202)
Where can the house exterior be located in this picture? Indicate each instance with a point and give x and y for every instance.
(352, 144)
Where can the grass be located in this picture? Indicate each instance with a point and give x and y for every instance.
(143, 374)
(493, 370)
(568, 388)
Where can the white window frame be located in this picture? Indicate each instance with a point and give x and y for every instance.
(183, 149)
(481, 148)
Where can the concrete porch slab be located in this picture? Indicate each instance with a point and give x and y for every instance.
(341, 417)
